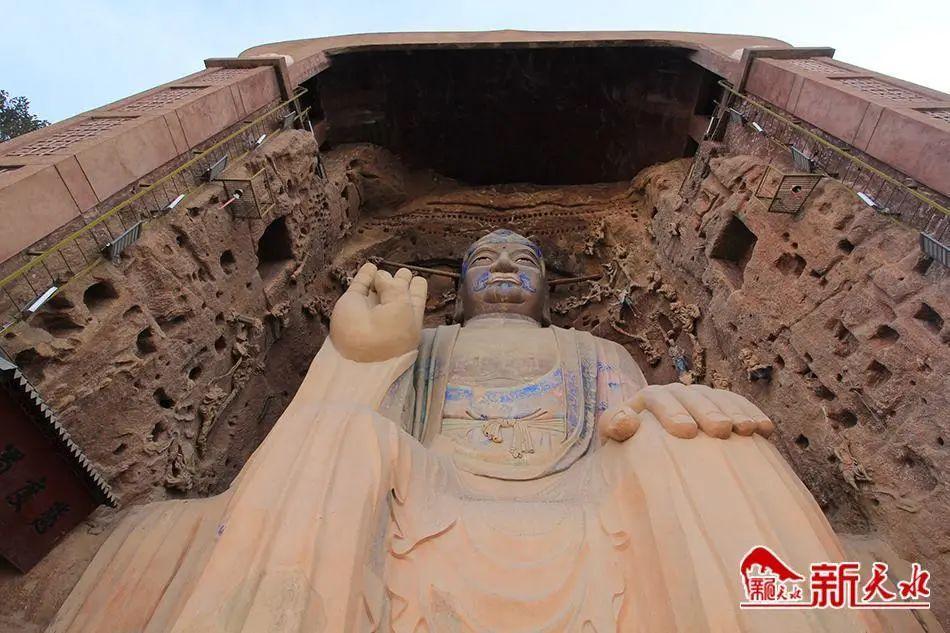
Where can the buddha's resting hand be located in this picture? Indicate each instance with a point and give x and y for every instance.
(684, 410)
(379, 316)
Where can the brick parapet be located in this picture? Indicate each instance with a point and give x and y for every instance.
(53, 175)
(901, 124)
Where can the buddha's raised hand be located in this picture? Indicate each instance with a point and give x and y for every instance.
(379, 316)
(684, 411)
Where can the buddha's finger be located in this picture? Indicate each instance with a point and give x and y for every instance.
(418, 293)
(710, 418)
(763, 425)
(403, 276)
(618, 423)
(386, 286)
(398, 291)
(742, 422)
(372, 299)
(672, 415)
(363, 280)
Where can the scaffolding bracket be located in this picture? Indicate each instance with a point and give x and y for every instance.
(288, 120)
(125, 239)
(43, 298)
(174, 203)
(803, 162)
(217, 168)
(874, 204)
(935, 249)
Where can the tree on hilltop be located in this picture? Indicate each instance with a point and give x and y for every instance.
(15, 117)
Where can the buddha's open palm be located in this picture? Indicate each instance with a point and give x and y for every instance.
(379, 316)
(684, 411)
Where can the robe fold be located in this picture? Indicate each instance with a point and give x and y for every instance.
(345, 520)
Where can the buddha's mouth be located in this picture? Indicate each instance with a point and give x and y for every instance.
(504, 287)
(503, 279)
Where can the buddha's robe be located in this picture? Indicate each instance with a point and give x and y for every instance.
(472, 507)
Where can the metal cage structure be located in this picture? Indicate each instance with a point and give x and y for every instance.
(250, 197)
(785, 192)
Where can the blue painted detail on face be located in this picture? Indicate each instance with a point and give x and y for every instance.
(482, 282)
(613, 386)
(601, 406)
(526, 282)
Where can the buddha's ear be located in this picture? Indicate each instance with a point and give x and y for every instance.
(546, 305)
(459, 314)
(546, 311)
(546, 289)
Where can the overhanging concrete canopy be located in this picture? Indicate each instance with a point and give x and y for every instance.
(718, 53)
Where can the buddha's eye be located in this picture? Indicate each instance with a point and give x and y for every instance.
(526, 260)
(481, 259)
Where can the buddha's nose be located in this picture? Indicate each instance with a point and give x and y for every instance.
(503, 264)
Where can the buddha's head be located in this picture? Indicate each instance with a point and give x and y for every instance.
(503, 273)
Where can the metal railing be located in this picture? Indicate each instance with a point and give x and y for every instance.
(813, 153)
(26, 289)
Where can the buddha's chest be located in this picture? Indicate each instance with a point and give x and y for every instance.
(505, 398)
(502, 357)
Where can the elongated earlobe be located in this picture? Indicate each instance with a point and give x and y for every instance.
(459, 315)
(546, 299)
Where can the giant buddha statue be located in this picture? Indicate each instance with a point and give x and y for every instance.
(498, 474)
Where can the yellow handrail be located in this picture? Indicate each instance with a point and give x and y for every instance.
(854, 159)
(137, 196)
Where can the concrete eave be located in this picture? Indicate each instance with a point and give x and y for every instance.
(718, 53)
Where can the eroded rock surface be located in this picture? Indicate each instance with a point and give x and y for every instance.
(848, 319)
(170, 368)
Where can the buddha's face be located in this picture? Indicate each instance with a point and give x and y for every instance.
(503, 275)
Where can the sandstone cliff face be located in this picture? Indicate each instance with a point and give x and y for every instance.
(170, 368)
(157, 365)
(834, 322)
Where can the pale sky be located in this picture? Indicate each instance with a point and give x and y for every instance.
(70, 56)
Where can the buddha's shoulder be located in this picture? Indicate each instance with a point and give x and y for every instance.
(439, 333)
(430, 333)
(600, 342)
